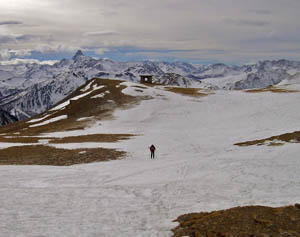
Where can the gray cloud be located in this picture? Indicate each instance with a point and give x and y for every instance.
(7, 39)
(100, 33)
(180, 26)
(260, 11)
(247, 22)
(26, 61)
(27, 37)
(6, 54)
(252, 23)
(10, 23)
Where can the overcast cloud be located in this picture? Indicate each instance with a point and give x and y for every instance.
(230, 31)
(10, 23)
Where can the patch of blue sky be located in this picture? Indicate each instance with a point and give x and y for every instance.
(126, 54)
(140, 54)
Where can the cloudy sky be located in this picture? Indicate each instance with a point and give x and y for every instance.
(199, 31)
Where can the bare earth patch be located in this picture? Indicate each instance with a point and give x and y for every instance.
(258, 221)
(72, 139)
(46, 155)
(194, 92)
(93, 138)
(275, 140)
(271, 89)
(17, 139)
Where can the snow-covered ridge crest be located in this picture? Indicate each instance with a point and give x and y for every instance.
(96, 98)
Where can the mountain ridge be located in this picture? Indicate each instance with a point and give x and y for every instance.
(29, 89)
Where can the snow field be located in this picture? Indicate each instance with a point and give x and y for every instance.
(197, 168)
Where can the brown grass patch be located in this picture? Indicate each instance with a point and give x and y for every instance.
(193, 92)
(71, 139)
(18, 139)
(275, 140)
(46, 155)
(271, 89)
(275, 144)
(93, 138)
(241, 222)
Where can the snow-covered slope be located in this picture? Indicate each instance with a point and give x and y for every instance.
(29, 89)
(292, 80)
(197, 166)
(175, 79)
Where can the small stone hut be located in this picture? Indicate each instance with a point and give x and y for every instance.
(146, 79)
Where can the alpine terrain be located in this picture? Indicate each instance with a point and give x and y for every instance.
(82, 167)
(30, 89)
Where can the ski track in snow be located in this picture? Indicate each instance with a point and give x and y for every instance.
(197, 169)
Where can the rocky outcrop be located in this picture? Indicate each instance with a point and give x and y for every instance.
(6, 118)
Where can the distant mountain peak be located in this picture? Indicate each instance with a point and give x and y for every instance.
(78, 54)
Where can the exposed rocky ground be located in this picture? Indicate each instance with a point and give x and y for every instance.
(248, 221)
(6, 118)
(45, 155)
(278, 140)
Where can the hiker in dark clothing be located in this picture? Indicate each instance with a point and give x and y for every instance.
(152, 150)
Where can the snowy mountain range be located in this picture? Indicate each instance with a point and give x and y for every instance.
(29, 89)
